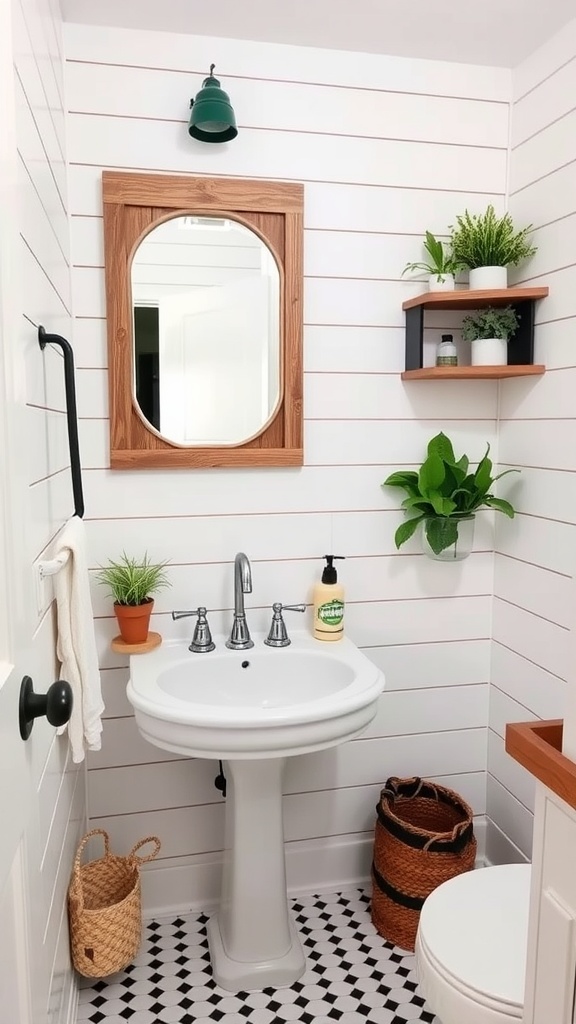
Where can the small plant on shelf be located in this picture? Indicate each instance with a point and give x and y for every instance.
(490, 323)
(485, 240)
(490, 330)
(441, 265)
(443, 495)
(132, 582)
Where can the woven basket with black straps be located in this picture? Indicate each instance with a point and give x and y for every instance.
(424, 836)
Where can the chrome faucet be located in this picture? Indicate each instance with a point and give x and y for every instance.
(240, 635)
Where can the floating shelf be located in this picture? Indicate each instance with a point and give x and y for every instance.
(520, 348)
(463, 298)
(473, 372)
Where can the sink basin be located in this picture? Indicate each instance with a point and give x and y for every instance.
(243, 707)
(263, 680)
(253, 704)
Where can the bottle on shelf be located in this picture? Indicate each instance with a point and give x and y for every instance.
(446, 353)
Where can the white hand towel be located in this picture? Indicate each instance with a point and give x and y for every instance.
(76, 645)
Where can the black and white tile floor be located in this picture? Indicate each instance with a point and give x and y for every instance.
(353, 976)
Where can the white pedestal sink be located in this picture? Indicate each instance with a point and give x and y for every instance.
(253, 709)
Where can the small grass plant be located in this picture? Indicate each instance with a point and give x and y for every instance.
(133, 581)
(486, 240)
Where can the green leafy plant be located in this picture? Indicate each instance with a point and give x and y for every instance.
(490, 323)
(132, 581)
(443, 491)
(441, 261)
(485, 240)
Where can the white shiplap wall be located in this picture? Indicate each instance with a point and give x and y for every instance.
(537, 553)
(58, 812)
(385, 148)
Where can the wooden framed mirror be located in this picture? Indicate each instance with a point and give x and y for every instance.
(204, 319)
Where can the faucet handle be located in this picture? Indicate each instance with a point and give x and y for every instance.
(202, 641)
(277, 636)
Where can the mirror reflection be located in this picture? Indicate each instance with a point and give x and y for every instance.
(206, 308)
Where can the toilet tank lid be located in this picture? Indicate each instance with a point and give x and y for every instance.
(476, 927)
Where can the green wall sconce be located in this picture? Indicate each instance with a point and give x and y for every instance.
(212, 118)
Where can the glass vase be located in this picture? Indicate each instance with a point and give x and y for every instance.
(447, 539)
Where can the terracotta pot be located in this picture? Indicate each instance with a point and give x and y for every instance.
(134, 621)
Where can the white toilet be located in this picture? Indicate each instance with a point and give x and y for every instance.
(471, 946)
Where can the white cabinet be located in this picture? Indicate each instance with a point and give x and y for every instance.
(551, 963)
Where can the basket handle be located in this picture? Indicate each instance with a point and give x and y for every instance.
(83, 843)
(403, 788)
(457, 832)
(149, 856)
(75, 886)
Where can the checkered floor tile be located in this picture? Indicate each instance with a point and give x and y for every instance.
(353, 976)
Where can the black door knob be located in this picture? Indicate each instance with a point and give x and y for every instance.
(56, 704)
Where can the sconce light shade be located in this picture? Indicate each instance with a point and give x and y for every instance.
(212, 118)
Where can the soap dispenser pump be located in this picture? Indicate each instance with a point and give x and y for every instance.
(328, 603)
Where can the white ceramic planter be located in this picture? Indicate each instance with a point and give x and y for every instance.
(489, 352)
(445, 283)
(481, 278)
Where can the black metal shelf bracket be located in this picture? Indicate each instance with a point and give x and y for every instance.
(71, 414)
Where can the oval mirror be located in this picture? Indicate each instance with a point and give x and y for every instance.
(206, 309)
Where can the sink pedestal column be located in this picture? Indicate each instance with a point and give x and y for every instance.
(253, 942)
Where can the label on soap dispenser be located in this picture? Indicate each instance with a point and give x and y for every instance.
(331, 613)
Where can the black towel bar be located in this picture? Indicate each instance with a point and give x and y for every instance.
(71, 414)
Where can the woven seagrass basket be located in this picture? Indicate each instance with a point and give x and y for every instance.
(424, 836)
(104, 908)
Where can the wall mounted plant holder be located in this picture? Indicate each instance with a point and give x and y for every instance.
(442, 498)
(452, 538)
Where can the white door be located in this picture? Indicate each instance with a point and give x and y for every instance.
(16, 798)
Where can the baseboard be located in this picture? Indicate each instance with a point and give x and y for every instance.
(332, 864)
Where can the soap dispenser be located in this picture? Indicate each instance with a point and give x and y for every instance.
(328, 602)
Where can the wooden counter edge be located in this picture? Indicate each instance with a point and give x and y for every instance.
(537, 746)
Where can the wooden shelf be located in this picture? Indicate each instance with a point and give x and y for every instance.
(121, 647)
(520, 346)
(537, 746)
(473, 372)
(463, 298)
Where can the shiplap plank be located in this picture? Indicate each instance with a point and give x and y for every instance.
(552, 98)
(532, 686)
(545, 593)
(365, 579)
(538, 639)
(294, 63)
(510, 815)
(155, 93)
(129, 143)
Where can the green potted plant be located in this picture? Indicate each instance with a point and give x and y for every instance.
(488, 245)
(490, 330)
(440, 267)
(131, 582)
(444, 496)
